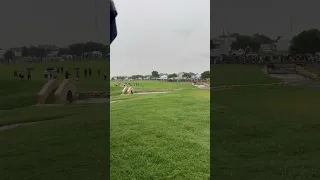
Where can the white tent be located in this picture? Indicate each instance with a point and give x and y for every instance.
(163, 77)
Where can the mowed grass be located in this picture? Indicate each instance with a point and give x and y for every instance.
(314, 68)
(238, 75)
(71, 142)
(265, 133)
(147, 86)
(15, 93)
(161, 136)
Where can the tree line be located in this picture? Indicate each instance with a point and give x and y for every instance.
(76, 49)
(307, 41)
(156, 74)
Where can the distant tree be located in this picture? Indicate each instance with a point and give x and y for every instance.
(243, 42)
(262, 39)
(63, 51)
(77, 49)
(24, 51)
(32, 51)
(155, 74)
(234, 35)
(40, 52)
(137, 76)
(212, 45)
(8, 55)
(205, 75)
(172, 75)
(186, 75)
(306, 42)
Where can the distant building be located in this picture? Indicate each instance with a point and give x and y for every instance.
(284, 43)
(222, 44)
(17, 51)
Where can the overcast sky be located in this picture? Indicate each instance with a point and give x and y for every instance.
(166, 36)
(60, 22)
(270, 17)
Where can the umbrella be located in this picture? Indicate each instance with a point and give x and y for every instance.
(50, 69)
(113, 26)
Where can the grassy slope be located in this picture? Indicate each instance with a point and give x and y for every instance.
(264, 133)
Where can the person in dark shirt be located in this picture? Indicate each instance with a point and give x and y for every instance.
(85, 72)
(29, 75)
(78, 75)
(89, 71)
(67, 75)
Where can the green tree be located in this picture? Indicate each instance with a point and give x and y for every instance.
(24, 51)
(212, 45)
(262, 39)
(155, 74)
(8, 55)
(172, 75)
(186, 75)
(306, 42)
(242, 42)
(205, 75)
(40, 52)
(63, 51)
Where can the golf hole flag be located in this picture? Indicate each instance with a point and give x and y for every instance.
(113, 26)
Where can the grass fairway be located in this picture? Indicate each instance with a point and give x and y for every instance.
(161, 136)
(70, 144)
(238, 74)
(265, 132)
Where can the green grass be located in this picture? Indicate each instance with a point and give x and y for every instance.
(150, 85)
(70, 143)
(161, 136)
(15, 93)
(265, 132)
(238, 74)
(314, 69)
(157, 136)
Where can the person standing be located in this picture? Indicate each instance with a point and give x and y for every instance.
(85, 72)
(29, 75)
(78, 75)
(67, 75)
(45, 74)
(89, 71)
(105, 76)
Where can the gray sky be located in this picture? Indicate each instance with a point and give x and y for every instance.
(60, 22)
(166, 35)
(270, 17)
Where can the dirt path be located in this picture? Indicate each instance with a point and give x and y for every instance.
(11, 126)
(294, 79)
